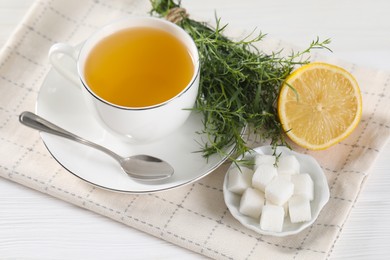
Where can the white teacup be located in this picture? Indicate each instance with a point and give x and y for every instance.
(145, 123)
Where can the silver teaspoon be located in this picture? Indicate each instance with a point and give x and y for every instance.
(140, 167)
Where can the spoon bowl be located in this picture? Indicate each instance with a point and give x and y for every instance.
(140, 167)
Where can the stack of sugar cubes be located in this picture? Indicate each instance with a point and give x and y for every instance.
(271, 193)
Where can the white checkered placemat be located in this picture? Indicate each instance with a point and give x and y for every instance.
(193, 216)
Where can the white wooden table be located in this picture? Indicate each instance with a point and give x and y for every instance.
(36, 226)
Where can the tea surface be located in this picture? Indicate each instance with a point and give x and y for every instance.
(138, 67)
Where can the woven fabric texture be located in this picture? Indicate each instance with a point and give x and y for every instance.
(193, 216)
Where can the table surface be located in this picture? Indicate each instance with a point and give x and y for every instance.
(35, 225)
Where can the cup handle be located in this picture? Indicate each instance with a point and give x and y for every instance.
(55, 53)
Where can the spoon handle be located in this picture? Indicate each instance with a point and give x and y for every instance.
(36, 122)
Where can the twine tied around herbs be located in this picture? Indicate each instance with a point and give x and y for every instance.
(176, 15)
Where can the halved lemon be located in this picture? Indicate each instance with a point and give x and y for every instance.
(319, 105)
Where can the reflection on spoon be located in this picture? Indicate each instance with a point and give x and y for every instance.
(140, 167)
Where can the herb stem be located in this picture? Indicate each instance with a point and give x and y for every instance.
(239, 84)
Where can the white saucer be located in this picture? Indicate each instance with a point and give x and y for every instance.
(62, 103)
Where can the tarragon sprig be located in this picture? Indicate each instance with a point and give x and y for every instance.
(239, 84)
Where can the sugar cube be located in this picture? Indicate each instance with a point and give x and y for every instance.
(279, 191)
(239, 179)
(272, 218)
(264, 159)
(263, 175)
(299, 209)
(287, 177)
(303, 185)
(251, 203)
(288, 165)
(284, 206)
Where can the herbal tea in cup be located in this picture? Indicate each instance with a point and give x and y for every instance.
(142, 66)
(140, 76)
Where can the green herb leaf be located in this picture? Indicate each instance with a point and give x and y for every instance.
(239, 84)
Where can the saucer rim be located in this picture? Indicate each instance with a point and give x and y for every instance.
(134, 192)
